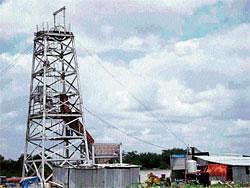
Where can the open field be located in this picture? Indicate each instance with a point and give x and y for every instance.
(214, 186)
(196, 186)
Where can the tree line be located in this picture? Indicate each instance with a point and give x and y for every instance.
(10, 168)
(147, 160)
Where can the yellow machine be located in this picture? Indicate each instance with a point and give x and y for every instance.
(152, 180)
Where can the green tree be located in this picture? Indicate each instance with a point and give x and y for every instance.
(152, 160)
(11, 167)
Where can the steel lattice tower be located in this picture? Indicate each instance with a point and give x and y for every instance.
(55, 134)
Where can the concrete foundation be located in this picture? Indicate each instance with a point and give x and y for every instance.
(111, 176)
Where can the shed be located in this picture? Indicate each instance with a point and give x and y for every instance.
(98, 176)
(178, 166)
(237, 167)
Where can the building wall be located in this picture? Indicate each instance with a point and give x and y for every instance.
(239, 174)
(97, 177)
(178, 163)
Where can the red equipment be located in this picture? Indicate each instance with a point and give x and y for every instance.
(217, 170)
(76, 125)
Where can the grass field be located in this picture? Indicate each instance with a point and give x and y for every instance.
(195, 186)
(214, 186)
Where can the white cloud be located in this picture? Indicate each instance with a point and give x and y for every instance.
(133, 43)
(149, 43)
(180, 6)
(8, 115)
(14, 75)
(95, 21)
(239, 127)
(183, 48)
(160, 85)
(107, 29)
(183, 83)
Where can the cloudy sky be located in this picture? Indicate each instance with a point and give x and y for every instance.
(188, 61)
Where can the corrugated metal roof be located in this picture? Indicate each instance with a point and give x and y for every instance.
(117, 165)
(228, 160)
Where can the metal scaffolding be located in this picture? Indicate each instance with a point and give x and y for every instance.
(55, 135)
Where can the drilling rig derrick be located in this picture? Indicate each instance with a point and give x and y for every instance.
(55, 134)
